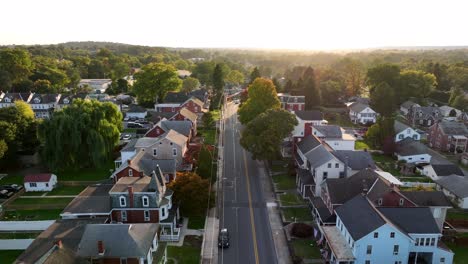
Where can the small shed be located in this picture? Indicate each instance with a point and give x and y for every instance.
(43, 182)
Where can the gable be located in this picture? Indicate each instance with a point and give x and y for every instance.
(156, 131)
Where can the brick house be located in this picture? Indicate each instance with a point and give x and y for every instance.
(424, 116)
(292, 102)
(186, 115)
(449, 136)
(182, 127)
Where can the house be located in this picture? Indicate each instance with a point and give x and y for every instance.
(10, 98)
(424, 116)
(355, 160)
(305, 121)
(186, 115)
(403, 131)
(66, 100)
(412, 151)
(448, 111)
(136, 111)
(362, 114)
(155, 117)
(455, 187)
(396, 235)
(406, 107)
(292, 102)
(357, 99)
(305, 183)
(43, 105)
(99, 86)
(164, 126)
(313, 156)
(174, 101)
(91, 203)
(449, 136)
(44, 182)
(334, 136)
(121, 243)
(437, 171)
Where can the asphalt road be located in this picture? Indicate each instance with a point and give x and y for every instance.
(243, 209)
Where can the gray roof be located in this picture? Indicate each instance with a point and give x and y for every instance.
(399, 126)
(158, 116)
(146, 142)
(412, 220)
(359, 217)
(176, 97)
(453, 128)
(447, 169)
(93, 199)
(330, 131)
(309, 115)
(71, 98)
(305, 176)
(148, 165)
(318, 156)
(456, 184)
(134, 108)
(356, 160)
(427, 198)
(426, 111)
(182, 127)
(130, 146)
(308, 143)
(409, 147)
(16, 96)
(322, 210)
(200, 94)
(43, 98)
(408, 104)
(358, 107)
(343, 189)
(119, 240)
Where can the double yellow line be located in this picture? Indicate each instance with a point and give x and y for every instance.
(252, 222)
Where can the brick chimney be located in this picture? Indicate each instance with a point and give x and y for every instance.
(130, 196)
(129, 162)
(101, 248)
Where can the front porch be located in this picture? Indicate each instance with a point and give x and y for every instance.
(170, 231)
(304, 182)
(336, 249)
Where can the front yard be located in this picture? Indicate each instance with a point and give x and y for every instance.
(32, 215)
(361, 145)
(196, 222)
(306, 249)
(461, 253)
(189, 253)
(60, 190)
(208, 135)
(9, 256)
(297, 214)
(284, 182)
(289, 199)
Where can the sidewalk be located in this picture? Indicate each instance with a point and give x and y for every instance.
(277, 231)
(210, 239)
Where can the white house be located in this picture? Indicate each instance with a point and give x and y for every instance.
(136, 111)
(43, 105)
(334, 136)
(437, 171)
(366, 234)
(8, 99)
(361, 113)
(455, 187)
(44, 182)
(403, 131)
(448, 111)
(412, 151)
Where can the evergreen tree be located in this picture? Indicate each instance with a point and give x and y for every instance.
(254, 75)
(310, 90)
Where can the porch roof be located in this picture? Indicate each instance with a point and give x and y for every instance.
(338, 244)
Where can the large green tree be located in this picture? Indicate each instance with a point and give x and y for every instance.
(218, 78)
(330, 91)
(189, 84)
(311, 91)
(261, 97)
(263, 135)
(415, 83)
(383, 99)
(254, 74)
(82, 135)
(235, 77)
(16, 64)
(154, 81)
(388, 73)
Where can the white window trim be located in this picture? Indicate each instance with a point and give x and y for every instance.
(130, 173)
(147, 218)
(123, 215)
(122, 198)
(143, 199)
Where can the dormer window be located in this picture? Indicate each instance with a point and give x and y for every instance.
(37, 100)
(145, 201)
(155, 152)
(7, 100)
(122, 201)
(130, 173)
(174, 152)
(401, 201)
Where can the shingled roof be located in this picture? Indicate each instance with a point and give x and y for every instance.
(309, 115)
(356, 160)
(308, 143)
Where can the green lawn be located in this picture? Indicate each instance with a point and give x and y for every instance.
(291, 199)
(208, 135)
(386, 163)
(66, 190)
(284, 182)
(361, 145)
(39, 201)
(89, 174)
(9, 256)
(13, 178)
(279, 168)
(416, 179)
(29, 215)
(382, 158)
(300, 214)
(461, 253)
(196, 222)
(18, 235)
(129, 130)
(306, 249)
(189, 253)
(457, 215)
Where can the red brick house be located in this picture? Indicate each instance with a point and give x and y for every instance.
(449, 136)
(186, 115)
(182, 127)
(292, 102)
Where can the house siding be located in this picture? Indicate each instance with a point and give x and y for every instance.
(192, 106)
(332, 172)
(340, 144)
(125, 173)
(407, 133)
(156, 131)
(424, 158)
(136, 216)
(42, 186)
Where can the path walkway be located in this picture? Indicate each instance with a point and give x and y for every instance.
(52, 196)
(184, 231)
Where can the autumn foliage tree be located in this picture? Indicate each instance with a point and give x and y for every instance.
(261, 97)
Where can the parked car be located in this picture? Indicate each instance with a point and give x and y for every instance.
(126, 137)
(223, 238)
(12, 187)
(126, 119)
(237, 101)
(5, 194)
(134, 125)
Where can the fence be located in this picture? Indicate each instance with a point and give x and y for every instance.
(416, 184)
(9, 226)
(15, 244)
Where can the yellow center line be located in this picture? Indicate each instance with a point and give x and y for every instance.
(252, 222)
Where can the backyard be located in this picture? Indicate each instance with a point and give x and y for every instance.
(297, 214)
(9, 256)
(208, 135)
(189, 253)
(284, 182)
(461, 253)
(386, 163)
(361, 145)
(289, 199)
(31, 215)
(306, 249)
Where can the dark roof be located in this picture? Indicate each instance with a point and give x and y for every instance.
(308, 143)
(447, 169)
(457, 185)
(359, 217)
(453, 128)
(408, 104)
(305, 176)
(43, 177)
(427, 198)
(343, 189)
(68, 231)
(134, 108)
(309, 115)
(119, 240)
(130, 146)
(176, 97)
(155, 117)
(148, 165)
(399, 126)
(43, 98)
(412, 220)
(182, 127)
(427, 112)
(409, 147)
(200, 94)
(358, 107)
(15, 96)
(330, 131)
(378, 190)
(356, 160)
(93, 199)
(322, 210)
(318, 156)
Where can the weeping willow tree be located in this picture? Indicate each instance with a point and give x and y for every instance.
(82, 135)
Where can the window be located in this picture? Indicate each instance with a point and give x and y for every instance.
(396, 248)
(392, 234)
(47, 184)
(32, 184)
(123, 261)
(130, 172)
(376, 235)
(123, 215)
(400, 136)
(401, 201)
(367, 261)
(442, 260)
(145, 201)
(147, 215)
(122, 201)
(174, 152)
(163, 212)
(410, 158)
(428, 240)
(325, 175)
(329, 165)
(337, 165)
(417, 242)
(155, 152)
(398, 262)
(421, 242)
(380, 201)
(433, 241)
(369, 249)
(171, 143)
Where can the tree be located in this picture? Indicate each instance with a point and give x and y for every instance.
(3, 148)
(203, 71)
(330, 91)
(192, 193)
(387, 73)
(277, 85)
(415, 84)
(82, 135)
(218, 78)
(454, 93)
(460, 102)
(154, 81)
(379, 133)
(311, 92)
(208, 120)
(254, 75)
(189, 84)
(17, 62)
(261, 97)
(263, 135)
(289, 86)
(383, 99)
(235, 77)
(43, 87)
(353, 75)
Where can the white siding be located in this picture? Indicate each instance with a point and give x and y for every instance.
(425, 158)
(41, 186)
(338, 144)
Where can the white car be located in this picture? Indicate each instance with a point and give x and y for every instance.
(127, 137)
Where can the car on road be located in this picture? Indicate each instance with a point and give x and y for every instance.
(126, 119)
(5, 194)
(223, 238)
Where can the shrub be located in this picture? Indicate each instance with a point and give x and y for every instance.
(302, 230)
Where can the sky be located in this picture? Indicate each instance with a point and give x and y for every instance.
(270, 24)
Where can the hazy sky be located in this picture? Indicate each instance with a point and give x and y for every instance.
(292, 24)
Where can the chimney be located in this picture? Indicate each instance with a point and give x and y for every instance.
(59, 244)
(130, 195)
(129, 162)
(100, 246)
